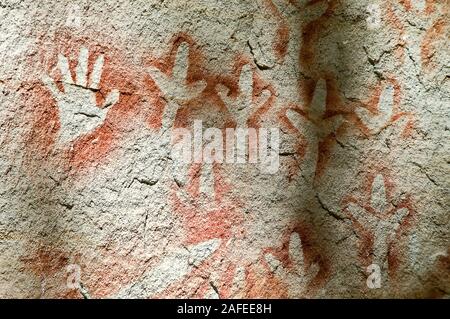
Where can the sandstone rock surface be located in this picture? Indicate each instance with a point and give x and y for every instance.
(93, 204)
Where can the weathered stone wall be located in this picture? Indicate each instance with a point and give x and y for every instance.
(94, 204)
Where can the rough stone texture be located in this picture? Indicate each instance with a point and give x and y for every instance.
(93, 205)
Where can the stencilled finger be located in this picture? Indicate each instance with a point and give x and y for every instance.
(180, 68)
(97, 72)
(419, 5)
(169, 115)
(298, 121)
(360, 214)
(82, 67)
(386, 103)
(319, 101)
(398, 216)
(112, 98)
(378, 198)
(274, 264)
(197, 88)
(159, 77)
(51, 85)
(207, 181)
(312, 273)
(263, 98)
(374, 122)
(184, 196)
(296, 253)
(246, 87)
(223, 92)
(63, 65)
(238, 281)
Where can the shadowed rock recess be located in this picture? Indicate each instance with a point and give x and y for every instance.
(224, 149)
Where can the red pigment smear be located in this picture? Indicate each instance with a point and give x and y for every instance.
(202, 221)
(372, 103)
(396, 254)
(106, 274)
(281, 42)
(267, 287)
(217, 220)
(45, 261)
(49, 263)
(406, 4)
(196, 284)
(366, 238)
(428, 50)
(294, 162)
(102, 277)
(397, 25)
(253, 285)
(226, 288)
(260, 85)
(429, 5)
(432, 34)
(112, 269)
(44, 120)
(311, 35)
(325, 148)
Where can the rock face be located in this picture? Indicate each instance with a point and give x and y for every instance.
(348, 99)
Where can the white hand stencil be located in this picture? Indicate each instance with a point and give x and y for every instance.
(79, 113)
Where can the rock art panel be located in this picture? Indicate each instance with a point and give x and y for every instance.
(224, 149)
